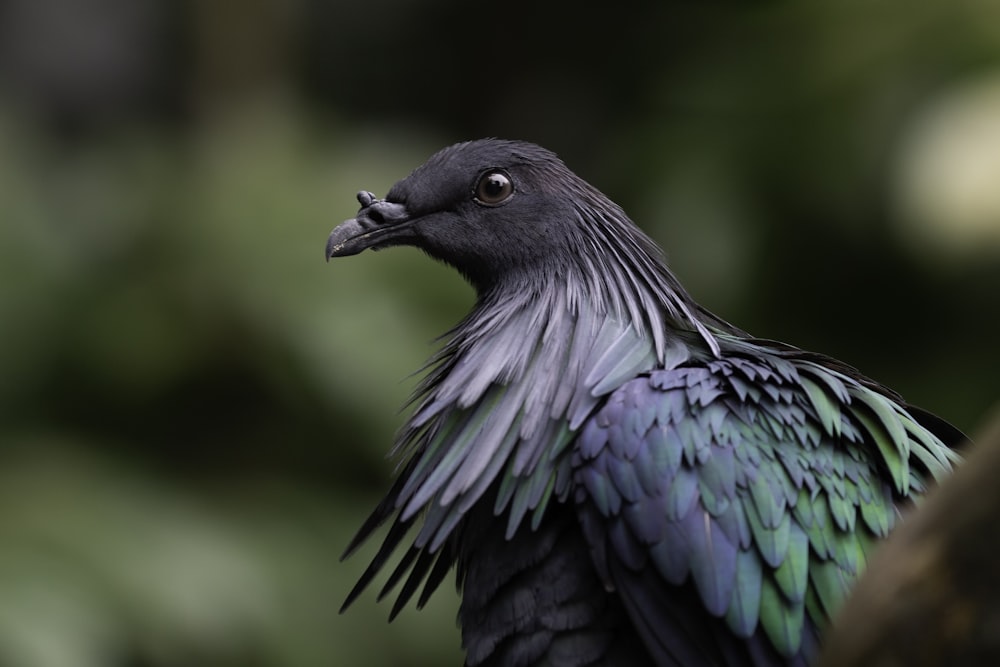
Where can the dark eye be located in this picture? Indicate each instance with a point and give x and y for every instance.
(494, 188)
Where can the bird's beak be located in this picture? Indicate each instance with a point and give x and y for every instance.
(379, 224)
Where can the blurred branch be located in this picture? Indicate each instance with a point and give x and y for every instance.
(931, 595)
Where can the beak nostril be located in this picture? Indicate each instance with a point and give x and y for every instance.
(366, 199)
(380, 212)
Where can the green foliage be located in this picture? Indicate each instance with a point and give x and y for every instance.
(194, 408)
(105, 563)
(182, 459)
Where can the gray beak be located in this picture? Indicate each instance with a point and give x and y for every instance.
(379, 224)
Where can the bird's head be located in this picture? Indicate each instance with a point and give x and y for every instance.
(514, 220)
(493, 209)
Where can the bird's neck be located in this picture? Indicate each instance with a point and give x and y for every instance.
(553, 344)
(502, 399)
(512, 384)
(634, 289)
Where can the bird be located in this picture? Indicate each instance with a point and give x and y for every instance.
(616, 475)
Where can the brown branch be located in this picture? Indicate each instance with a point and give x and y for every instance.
(931, 595)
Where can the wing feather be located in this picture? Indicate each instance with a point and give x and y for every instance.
(760, 480)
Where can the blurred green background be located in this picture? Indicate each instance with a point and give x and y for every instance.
(195, 409)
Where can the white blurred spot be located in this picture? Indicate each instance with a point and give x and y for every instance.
(947, 188)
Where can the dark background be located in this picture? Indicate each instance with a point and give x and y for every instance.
(194, 408)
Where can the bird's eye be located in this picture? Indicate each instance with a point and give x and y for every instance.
(494, 188)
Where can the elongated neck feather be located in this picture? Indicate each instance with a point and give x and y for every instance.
(610, 273)
(531, 362)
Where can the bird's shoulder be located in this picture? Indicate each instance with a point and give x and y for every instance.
(762, 476)
(768, 398)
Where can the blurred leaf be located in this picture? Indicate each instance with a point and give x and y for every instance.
(120, 566)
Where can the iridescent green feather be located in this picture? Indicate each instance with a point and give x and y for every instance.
(744, 609)
(792, 575)
(781, 618)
